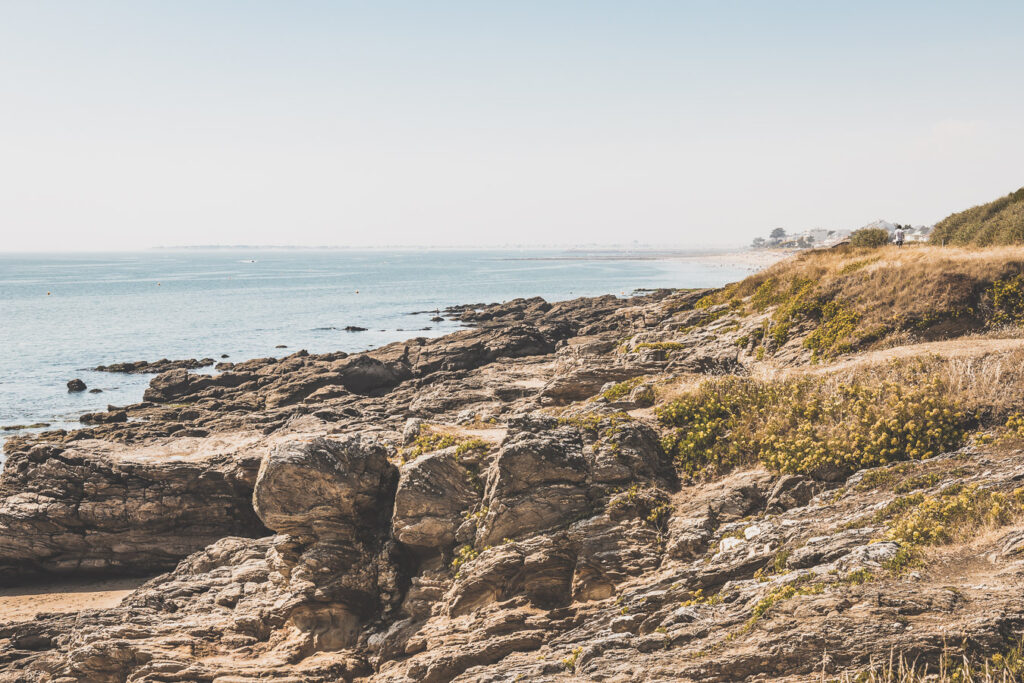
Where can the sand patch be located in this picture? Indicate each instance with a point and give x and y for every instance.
(23, 603)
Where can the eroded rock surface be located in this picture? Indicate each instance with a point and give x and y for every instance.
(554, 542)
(73, 511)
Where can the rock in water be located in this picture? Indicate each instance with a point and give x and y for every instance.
(141, 367)
(76, 385)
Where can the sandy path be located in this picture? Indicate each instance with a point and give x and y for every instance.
(24, 602)
(953, 348)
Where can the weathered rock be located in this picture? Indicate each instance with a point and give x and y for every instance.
(163, 365)
(790, 491)
(581, 558)
(76, 385)
(534, 483)
(434, 491)
(329, 501)
(72, 511)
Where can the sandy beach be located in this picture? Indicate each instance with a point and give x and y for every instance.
(25, 602)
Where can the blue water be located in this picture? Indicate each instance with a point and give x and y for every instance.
(62, 314)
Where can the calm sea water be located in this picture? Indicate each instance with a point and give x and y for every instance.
(63, 314)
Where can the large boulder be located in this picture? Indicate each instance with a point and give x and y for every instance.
(537, 481)
(330, 502)
(324, 489)
(434, 490)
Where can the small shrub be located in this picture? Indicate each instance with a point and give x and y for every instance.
(427, 443)
(464, 554)
(1008, 301)
(764, 296)
(698, 598)
(664, 346)
(604, 426)
(1015, 425)
(569, 663)
(621, 390)
(471, 445)
(778, 595)
(953, 514)
(834, 333)
(869, 237)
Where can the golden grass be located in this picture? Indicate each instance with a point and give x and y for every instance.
(1005, 667)
(857, 298)
(908, 279)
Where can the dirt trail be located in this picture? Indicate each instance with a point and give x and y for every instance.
(953, 348)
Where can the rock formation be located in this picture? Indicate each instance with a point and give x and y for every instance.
(483, 506)
(141, 367)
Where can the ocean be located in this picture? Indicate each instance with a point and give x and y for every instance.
(62, 314)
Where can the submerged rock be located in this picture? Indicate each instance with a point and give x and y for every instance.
(163, 365)
(76, 385)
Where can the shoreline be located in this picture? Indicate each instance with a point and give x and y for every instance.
(738, 261)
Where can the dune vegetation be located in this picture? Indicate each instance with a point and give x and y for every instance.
(849, 299)
(998, 222)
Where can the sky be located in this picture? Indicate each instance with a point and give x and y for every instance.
(132, 124)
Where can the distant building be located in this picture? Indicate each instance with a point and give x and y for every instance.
(919, 233)
(823, 237)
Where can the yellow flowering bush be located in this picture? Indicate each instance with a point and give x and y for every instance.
(807, 425)
(427, 443)
(621, 390)
(1015, 425)
(950, 514)
(1008, 301)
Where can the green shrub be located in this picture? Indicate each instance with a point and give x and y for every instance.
(808, 425)
(833, 334)
(664, 346)
(764, 295)
(1015, 425)
(427, 443)
(621, 390)
(470, 446)
(464, 554)
(798, 304)
(870, 237)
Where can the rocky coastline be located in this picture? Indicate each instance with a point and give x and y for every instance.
(497, 504)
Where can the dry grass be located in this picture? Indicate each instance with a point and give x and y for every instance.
(1001, 668)
(854, 299)
(988, 385)
(895, 280)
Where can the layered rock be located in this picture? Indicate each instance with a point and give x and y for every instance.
(555, 543)
(76, 511)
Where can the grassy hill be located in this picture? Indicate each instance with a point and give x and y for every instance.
(998, 222)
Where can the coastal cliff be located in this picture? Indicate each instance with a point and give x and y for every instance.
(810, 474)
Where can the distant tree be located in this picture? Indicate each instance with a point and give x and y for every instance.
(778, 233)
(805, 242)
(870, 237)
(758, 243)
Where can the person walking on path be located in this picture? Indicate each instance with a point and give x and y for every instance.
(900, 236)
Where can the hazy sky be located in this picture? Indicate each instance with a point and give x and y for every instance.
(140, 123)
